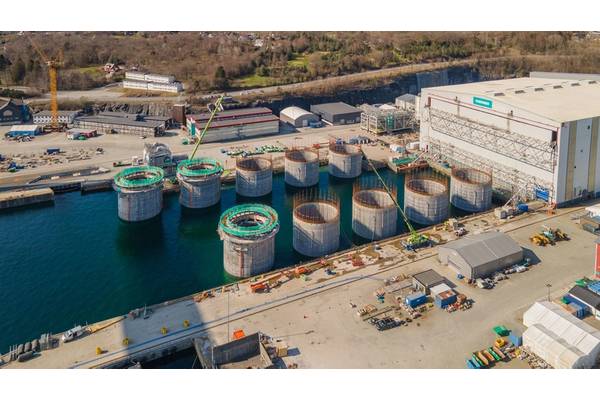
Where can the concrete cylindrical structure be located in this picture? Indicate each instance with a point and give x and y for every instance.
(316, 225)
(301, 167)
(139, 192)
(345, 160)
(199, 182)
(471, 189)
(426, 201)
(253, 176)
(374, 214)
(248, 234)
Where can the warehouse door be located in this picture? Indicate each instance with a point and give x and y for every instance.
(305, 123)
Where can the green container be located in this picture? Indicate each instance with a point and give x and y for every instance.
(501, 330)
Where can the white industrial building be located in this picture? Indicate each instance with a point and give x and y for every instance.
(559, 338)
(64, 117)
(234, 124)
(151, 82)
(297, 117)
(537, 136)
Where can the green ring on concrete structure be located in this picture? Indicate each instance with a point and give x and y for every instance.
(267, 222)
(152, 176)
(186, 167)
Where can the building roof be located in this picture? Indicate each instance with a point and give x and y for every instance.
(101, 119)
(47, 113)
(586, 295)
(484, 248)
(24, 128)
(335, 108)
(294, 112)
(235, 113)
(226, 123)
(562, 338)
(409, 98)
(428, 278)
(560, 100)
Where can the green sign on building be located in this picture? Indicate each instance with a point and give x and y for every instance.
(479, 101)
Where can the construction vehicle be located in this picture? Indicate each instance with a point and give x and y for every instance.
(53, 66)
(540, 239)
(415, 240)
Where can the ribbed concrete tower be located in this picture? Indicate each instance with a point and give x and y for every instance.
(253, 176)
(139, 193)
(345, 160)
(471, 189)
(301, 167)
(374, 212)
(316, 221)
(426, 200)
(248, 234)
(200, 182)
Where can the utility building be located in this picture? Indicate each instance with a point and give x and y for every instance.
(538, 136)
(13, 112)
(337, 113)
(479, 256)
(234, 124)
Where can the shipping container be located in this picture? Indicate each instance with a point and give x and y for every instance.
(516, 338)
(523, 207)
(416, 299)
(595, 287)
(444, 299)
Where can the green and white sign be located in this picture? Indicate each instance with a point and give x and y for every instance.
(479, 101)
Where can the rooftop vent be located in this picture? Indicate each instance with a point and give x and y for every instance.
(592, 82)
(575, 84)
(557, 87)
(519, 91)
(539, 89)
(498, 94)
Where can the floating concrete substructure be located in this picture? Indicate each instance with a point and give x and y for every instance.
(139, 193)
(25, 197)
(301, 167)
(316, 224)
(248, 234)
(199, 182)
(426, 201)
(253, 176)
(345, 160)
(471, 189)
(374, 211)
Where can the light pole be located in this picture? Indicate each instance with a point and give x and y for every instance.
(548, 286)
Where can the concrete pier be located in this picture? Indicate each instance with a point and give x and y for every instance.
(25, 198)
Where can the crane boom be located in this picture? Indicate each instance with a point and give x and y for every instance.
(212, 115)
(53, 66)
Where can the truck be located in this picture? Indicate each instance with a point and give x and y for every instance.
(73, 333)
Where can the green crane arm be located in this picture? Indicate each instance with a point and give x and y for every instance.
(389, 192)
(212, 115)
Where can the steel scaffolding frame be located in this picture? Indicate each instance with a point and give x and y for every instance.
(519, 147)
(506, 181)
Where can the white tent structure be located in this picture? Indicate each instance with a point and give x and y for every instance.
(559, 338)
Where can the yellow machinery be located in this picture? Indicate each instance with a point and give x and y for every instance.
(53, 65)
(164, 330)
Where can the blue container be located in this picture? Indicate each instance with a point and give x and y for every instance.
(579, 310)
(443, 303)
(542, 194)
(471, 364)
(595, 287)
(523, 208)
(573, 301)
(515, 338)
(416, 299)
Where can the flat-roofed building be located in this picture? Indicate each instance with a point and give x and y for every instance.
(337, 113)
(234, 124)
(537, 136)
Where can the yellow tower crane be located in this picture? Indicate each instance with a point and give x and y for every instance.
(53, 66)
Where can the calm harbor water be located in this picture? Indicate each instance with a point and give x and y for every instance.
(75, 262)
